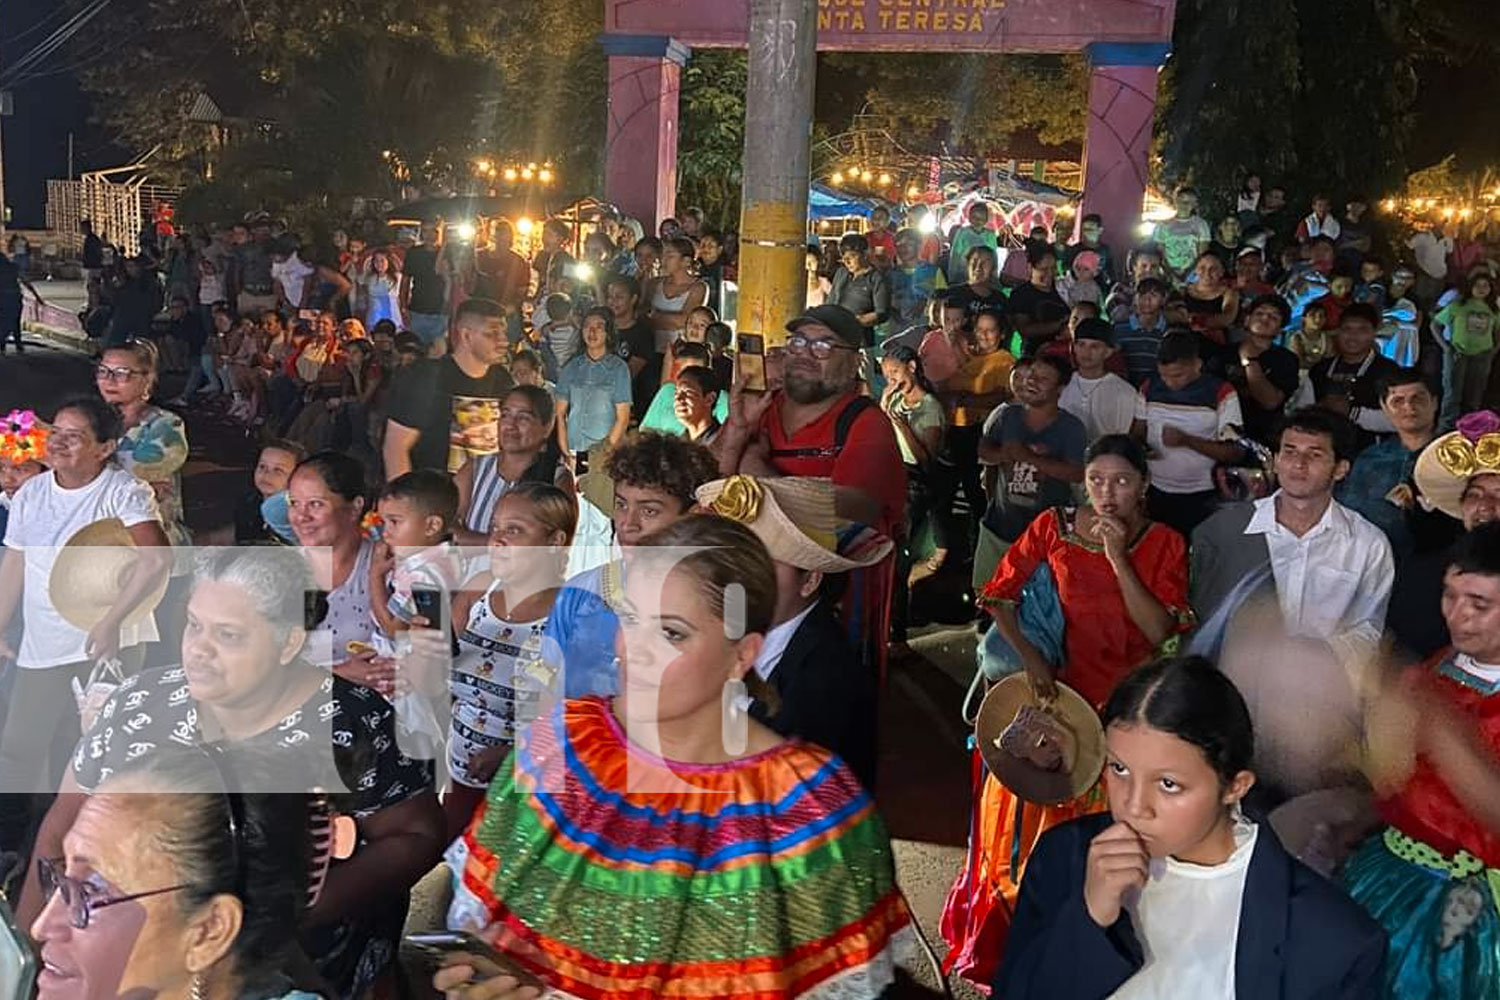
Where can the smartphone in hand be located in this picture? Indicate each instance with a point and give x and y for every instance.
(750, 361)
(446, 948)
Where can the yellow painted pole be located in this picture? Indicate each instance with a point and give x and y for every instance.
(777, 162)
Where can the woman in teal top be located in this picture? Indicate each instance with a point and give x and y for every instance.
(1470, 324)
(661, 415)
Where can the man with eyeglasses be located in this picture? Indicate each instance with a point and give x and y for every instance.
(820, 425)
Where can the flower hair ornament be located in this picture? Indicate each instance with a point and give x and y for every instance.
(371, 526)
(1475, 445)
(23, 437)
(1444, 468)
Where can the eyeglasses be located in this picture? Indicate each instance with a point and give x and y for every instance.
(820, 349)
(81, 898)
(105, 373)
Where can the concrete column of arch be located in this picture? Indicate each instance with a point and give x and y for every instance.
(640, 153)
(1117, 141)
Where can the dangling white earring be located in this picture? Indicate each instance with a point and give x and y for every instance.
(1236, 814)
(198, 991)
(734, 713)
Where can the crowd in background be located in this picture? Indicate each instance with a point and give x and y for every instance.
(1266, 427)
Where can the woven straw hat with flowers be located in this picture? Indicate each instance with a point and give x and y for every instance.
(23, 438)
(794, 516)
(1446, 465)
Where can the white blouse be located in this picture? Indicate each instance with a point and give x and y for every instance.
(1187, 920)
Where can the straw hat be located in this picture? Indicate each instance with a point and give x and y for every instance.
(595, 486)
(1046, 753)
(1447, 464)
(90, 572)
(795, 517)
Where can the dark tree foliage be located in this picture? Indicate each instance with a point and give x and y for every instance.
(1311, 94)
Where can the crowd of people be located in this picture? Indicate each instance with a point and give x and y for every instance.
(525, 577)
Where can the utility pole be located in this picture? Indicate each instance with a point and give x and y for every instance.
(778, 154)
(5, 111)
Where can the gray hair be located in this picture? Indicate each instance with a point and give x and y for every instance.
(276, 579)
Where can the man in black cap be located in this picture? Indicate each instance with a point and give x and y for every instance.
(820, 425)
(1104, 401)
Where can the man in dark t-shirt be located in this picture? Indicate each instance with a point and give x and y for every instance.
(1038, 447)
(635, 341)
(424, 291)
(1264, 375)
(446, 410)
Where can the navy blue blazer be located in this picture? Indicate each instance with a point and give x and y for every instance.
(1300, 938)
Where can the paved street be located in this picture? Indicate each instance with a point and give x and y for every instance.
(923, 791)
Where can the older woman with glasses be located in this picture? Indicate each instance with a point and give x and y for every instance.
(173, 883)
(154, 449)
(245, 687)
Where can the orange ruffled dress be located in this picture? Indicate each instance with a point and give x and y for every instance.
(1102, 646)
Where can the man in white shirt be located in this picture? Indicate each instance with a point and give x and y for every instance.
(807, 661)
(1101, 399)
(1331, 568)
(1431, 249)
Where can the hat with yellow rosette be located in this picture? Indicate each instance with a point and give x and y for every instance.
(1446, 466)
(794, 516)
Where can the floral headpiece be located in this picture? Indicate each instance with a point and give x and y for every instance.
(23, 438)
(1475, 448)
(371, 526)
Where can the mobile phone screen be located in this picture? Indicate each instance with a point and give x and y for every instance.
(750, 361)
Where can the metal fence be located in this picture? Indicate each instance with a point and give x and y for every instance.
(118, 208)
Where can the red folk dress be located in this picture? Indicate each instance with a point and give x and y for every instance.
(1102, 645)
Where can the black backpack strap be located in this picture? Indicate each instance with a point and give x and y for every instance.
(846, 420)
(841, 427)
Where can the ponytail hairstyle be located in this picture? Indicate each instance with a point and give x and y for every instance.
(1189, 698)
(908, 356)
(234, 823)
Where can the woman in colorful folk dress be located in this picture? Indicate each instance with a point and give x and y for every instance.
(1116, 584)
(664, 843)
(1431, 877)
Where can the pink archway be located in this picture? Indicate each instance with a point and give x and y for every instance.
(1125, 41)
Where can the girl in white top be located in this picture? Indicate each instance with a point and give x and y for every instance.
(382, 291)
(675, 294)
(1175, 893)
(499, 677)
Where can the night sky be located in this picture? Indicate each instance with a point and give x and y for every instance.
(46, 109)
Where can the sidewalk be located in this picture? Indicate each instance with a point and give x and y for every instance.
(56, 319)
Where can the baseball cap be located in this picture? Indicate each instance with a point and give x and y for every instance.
(844, 324)
(1095, 328)
(1248, 250)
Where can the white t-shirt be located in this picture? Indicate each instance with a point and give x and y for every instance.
(1207, 409)
(1187, 919)
(293, 274)
(43, 516)
(1106, 405)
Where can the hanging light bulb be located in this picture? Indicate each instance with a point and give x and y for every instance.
(510, 173)
(838, 177)
(885, 180)
(865, 176)
(526, 173)
(544, 175)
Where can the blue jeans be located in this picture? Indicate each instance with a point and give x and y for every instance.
(201, 372)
